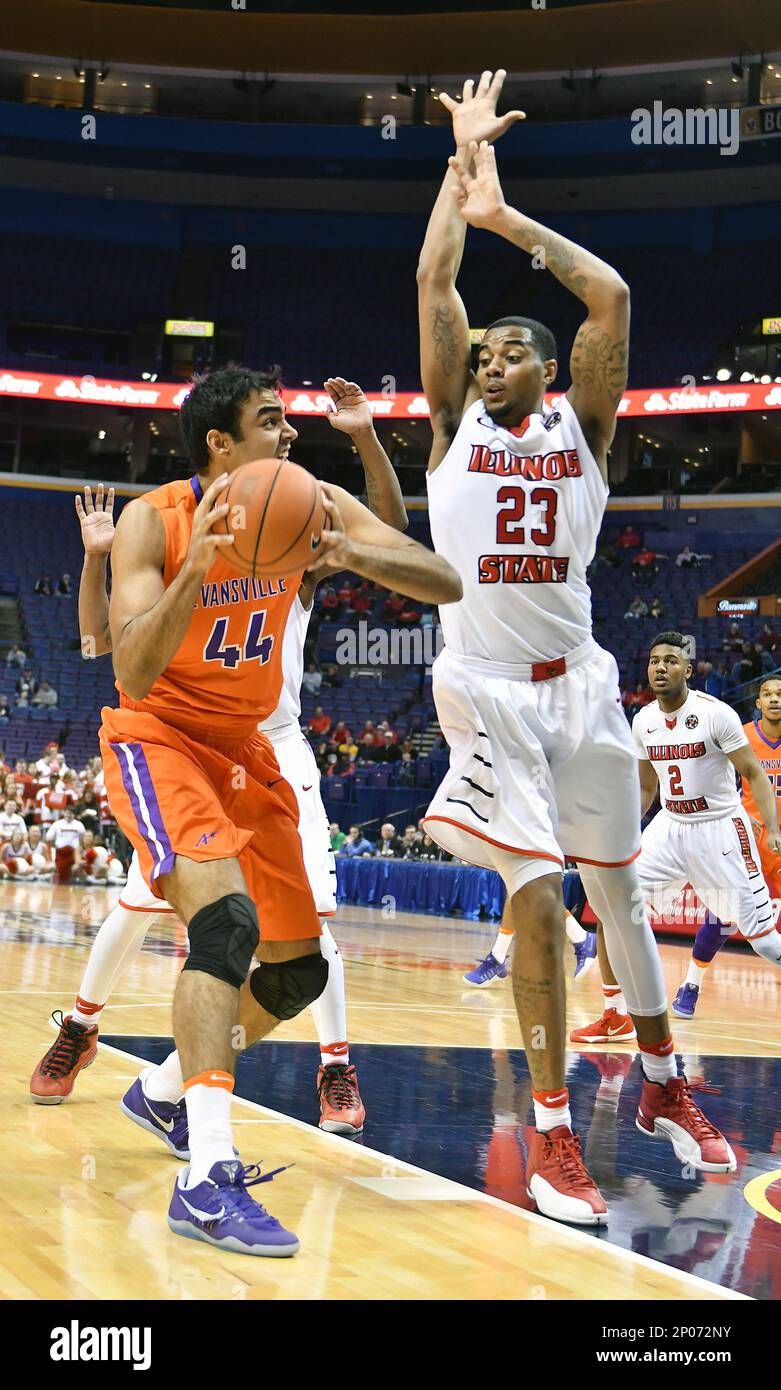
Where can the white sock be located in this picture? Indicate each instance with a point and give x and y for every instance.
(609, 1091)
(502, 945)
(209, 1121)
(118, 941)
(575, 932)
(695, 974)
(614, 998)
(330, 1010)
(164, 1083)
(548, 1117)
(657, 1068)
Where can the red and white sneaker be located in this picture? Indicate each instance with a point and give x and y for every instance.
(75, 1047)
(559, 1182)
(611, 1027)
(669, 1111)
(341, 1108)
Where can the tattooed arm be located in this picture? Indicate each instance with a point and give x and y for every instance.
(598, 363)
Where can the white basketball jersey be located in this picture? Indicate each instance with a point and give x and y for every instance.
(288, 711)
(517, 513)
(688, 751)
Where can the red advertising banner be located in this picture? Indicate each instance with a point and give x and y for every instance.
(165, 395)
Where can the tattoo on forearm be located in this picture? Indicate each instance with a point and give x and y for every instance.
(560, 259)
(373, 495)
(445, 339)
(599, 362)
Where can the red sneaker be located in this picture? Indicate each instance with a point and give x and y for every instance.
(76, 1047)
(610, 1067)
(669, 1111)
(611, 1027)
(559, 1182)
(341, 1107)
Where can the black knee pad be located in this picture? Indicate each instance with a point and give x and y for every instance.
(287, 987)
(223, 937)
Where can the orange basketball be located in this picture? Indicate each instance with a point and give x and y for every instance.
(277, 517)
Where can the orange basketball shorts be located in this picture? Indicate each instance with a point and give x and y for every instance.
(173, 795)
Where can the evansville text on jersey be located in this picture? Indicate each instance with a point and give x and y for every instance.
(522, 569)
(534, 468)
(238, 591)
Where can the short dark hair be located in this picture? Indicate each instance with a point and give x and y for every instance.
(670, 639)
(541, 336)
(766, 681)
(215, 402)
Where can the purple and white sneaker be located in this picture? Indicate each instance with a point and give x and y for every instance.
(585, 955)
(685, 1001)
(168, 1122)
(486, 971)
(221, 1212)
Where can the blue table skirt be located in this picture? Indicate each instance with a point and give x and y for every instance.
(407, 886)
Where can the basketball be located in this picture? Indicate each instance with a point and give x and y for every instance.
(277, 517)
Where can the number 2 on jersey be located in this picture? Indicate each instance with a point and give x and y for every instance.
(509, 530)
(676, 785)
(256, 646)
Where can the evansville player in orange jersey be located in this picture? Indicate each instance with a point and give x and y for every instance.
(197, 789)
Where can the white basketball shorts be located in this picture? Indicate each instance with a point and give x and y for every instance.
(719, 858)
(539, 770)
(298, 767)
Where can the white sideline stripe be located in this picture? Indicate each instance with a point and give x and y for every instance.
(462, 1193)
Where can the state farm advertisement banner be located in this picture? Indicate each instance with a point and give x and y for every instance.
(164, 395)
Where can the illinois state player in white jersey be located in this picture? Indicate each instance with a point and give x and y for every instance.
(122, 934)
(690, 746)
(541, 757)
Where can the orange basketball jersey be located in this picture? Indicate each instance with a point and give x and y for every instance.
(768, 757)
(227, 673)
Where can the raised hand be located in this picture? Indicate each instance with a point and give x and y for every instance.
(351, 411)
(474, 116)
(478, 194)
(97, 520)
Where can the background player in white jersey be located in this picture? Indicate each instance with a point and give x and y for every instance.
(121, 936)
(690, 746)
(541, 757)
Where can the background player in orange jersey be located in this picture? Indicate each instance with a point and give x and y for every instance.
(197, 789)
(764, 737)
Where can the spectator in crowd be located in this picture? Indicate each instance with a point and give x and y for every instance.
(51, 800)
(312, 679)
(87, 809)
(345, 592)
(64, 586)
(407, 776)
(367, 748)
(733, 638)
(409, 614)
(321, 757)
(45, 696)
(431, 851)
(392, 607)
(409, 748)
(769, 638)
(338, 836)
(66, 835)
(390, 751)
(634, 700)
(360, 601)
(370, 727)
(25, 785)
(638, 608)
(17, 656)
(747, 666)
(764, 657)
(26, 686)
(628, 539)
(332, 676)
(4, 706)
(384, 728)
(715, 680)
(348, 750)
(340, 734)
(644, 566)
(657, 609)
(10, 820)
(42, 858)
(51, 755)
(329, 603)
(409, 845)
(688, 559)
(44, 586)
(320, 722)
(15, 856)
(389, 842)
(357, 844)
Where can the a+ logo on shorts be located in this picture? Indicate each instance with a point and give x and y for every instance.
(206, 837)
